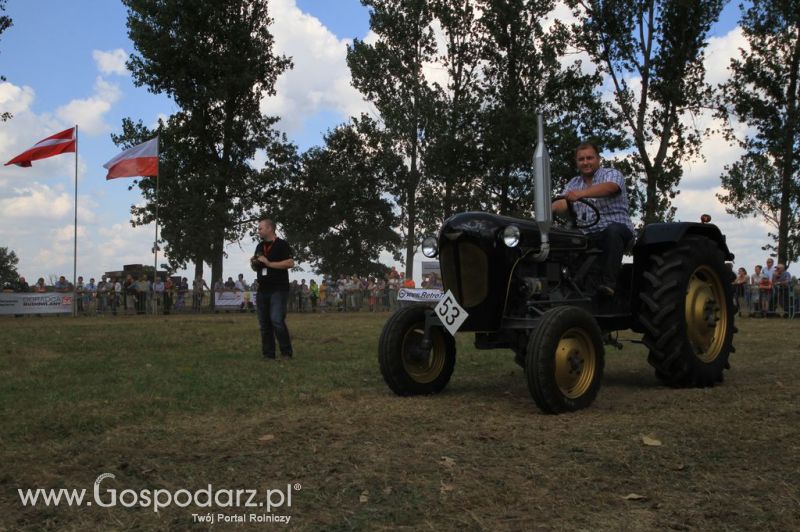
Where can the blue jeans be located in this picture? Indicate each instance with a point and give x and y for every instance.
(271, 309)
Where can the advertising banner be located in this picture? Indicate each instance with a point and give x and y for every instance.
(423, 295)
(233, 299)
(36, 303)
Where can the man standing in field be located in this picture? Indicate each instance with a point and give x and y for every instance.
(271, 262)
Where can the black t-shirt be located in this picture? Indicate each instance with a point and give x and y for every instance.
(272, 279)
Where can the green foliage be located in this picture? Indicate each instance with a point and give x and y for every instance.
(8, 266)
(216, 61)
(337, 216)
(467, 141)
(523, 75)
(389, 74)
(452, 158)
(180, 193)
(763, 92)
(658, 43)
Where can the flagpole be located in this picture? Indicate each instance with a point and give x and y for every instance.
(75, 236)
(155, 251)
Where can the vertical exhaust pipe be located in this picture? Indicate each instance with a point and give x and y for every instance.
(542, 191)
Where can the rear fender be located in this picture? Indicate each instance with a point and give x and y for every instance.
(656, 237)
(671, 233)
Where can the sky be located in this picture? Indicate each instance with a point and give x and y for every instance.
(64, 65)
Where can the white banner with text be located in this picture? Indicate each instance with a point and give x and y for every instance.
(234, 298)
(36, 303)
(424, 295)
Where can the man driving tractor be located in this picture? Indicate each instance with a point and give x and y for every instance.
(605, 188)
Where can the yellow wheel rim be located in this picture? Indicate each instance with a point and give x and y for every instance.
(422, 370)
(706, 313)
(576, 363)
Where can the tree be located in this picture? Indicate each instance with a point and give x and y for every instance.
(336, 214)
(763, 92)
(389, 74)
(215, 60)
(523, 75)
(659, 44)
(181, 190)
(452, 158)
(5, 23)
(8, 266)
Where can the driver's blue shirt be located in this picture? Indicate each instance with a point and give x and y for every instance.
(612, 208)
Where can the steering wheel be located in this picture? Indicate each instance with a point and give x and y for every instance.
(572, 218)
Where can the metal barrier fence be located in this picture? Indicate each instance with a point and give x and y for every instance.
(755, 301)
(110, 303)
(134, 302)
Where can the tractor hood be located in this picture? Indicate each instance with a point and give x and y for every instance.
(476, 263)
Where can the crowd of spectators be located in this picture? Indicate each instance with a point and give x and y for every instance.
(353, 293)
(769, 291)
(127, 295)
(114, 295)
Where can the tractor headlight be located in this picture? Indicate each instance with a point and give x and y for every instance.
(511, 236)
(430, 246)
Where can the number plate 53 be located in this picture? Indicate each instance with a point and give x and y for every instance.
(450, 313)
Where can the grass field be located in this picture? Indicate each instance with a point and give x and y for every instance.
(185, 401)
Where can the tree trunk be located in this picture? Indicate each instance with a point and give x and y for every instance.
(788, 155)
(198, 268)
(504, 190)
(216, 265)
(448, 196)
(411, 208)
(650, 199)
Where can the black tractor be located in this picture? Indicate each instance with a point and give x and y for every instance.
(529, 286)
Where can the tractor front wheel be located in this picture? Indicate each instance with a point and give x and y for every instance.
(407, 368)
(565, 359)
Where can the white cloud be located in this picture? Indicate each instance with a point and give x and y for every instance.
(37, 223)
(744, 236)
(22, 132)
(120, 243)
(435, 72)
(15, 99)
(89, 113)
(320, 79)
(36, 202)
(160, 116)
(720, 51)
(111, 62)
(371, 37)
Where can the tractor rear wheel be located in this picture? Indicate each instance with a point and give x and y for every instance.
(565, 359)
(687, 313)
(406, 367)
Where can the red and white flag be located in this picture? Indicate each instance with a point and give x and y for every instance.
(57, 144)
(139, 160)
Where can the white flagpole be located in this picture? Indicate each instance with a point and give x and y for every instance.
(155, 243)
(75, 236)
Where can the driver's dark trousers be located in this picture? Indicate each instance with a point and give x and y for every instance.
(612, 240)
